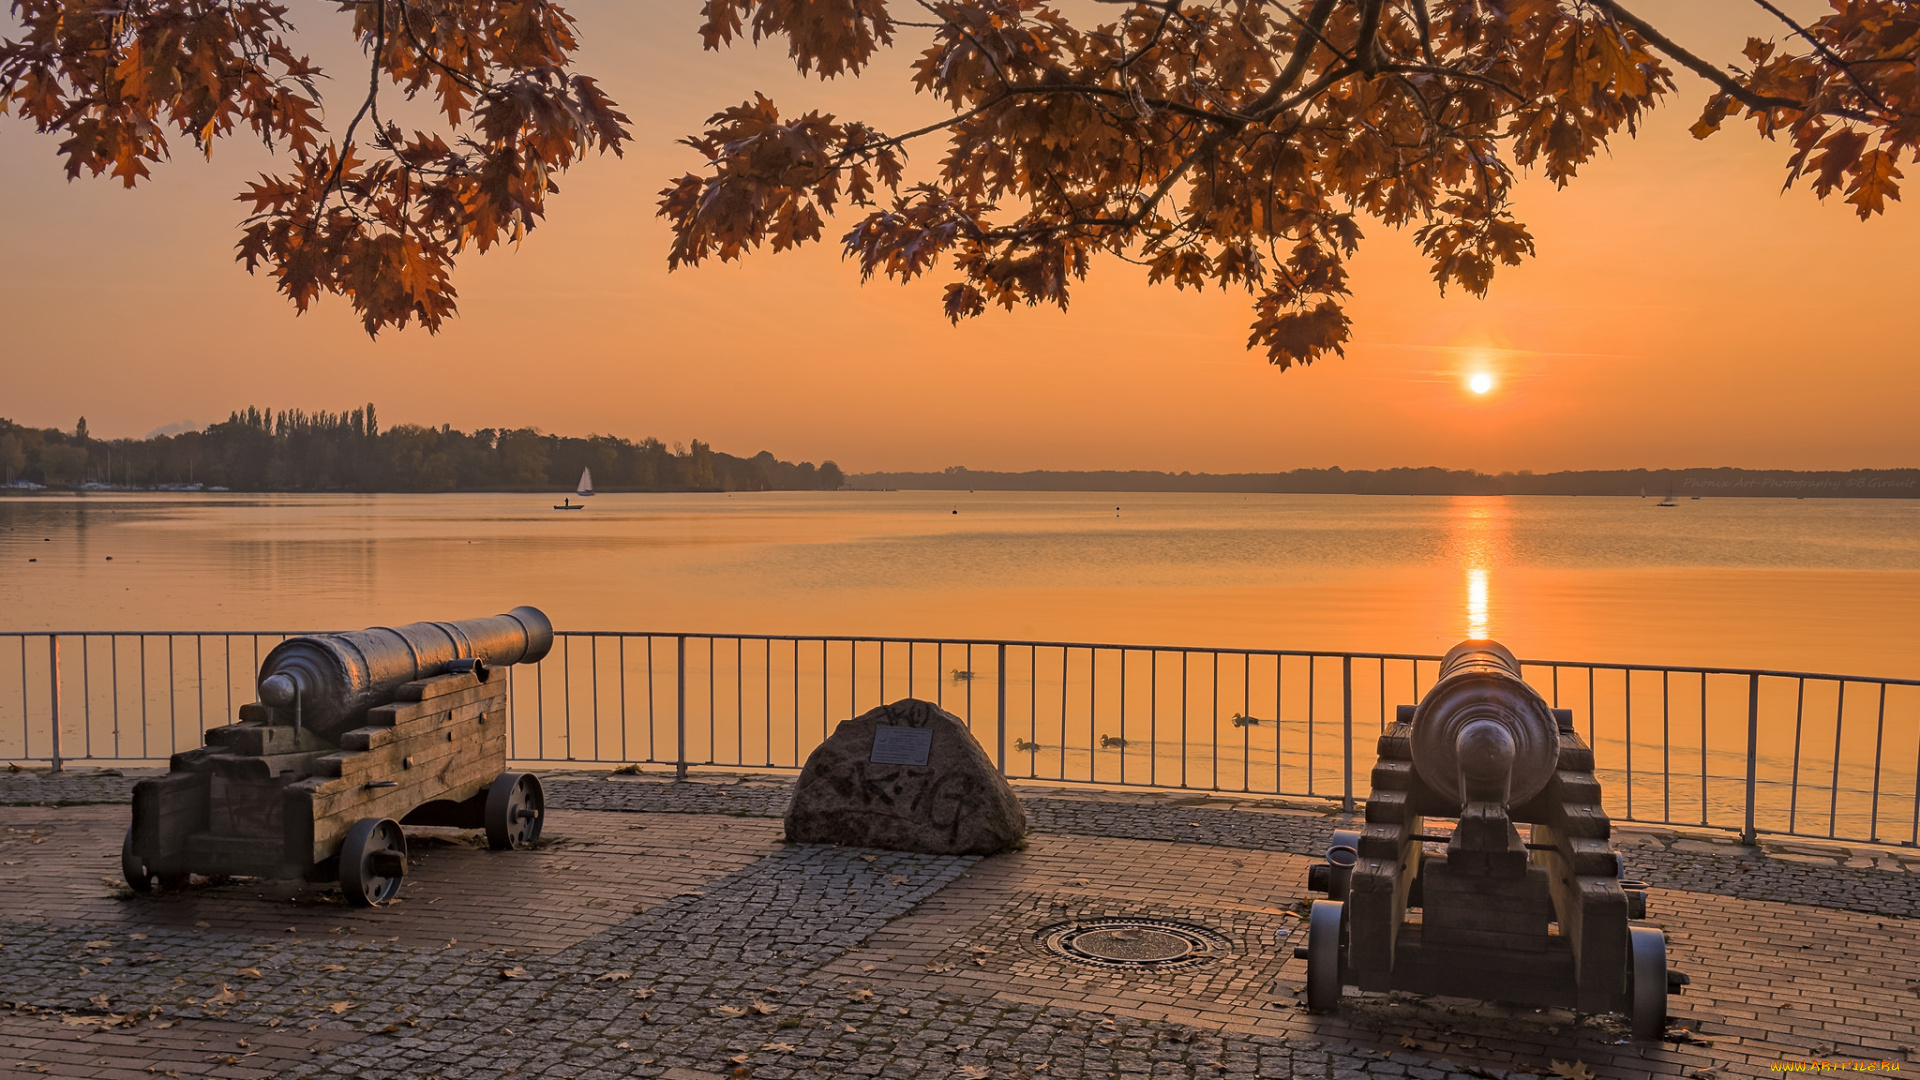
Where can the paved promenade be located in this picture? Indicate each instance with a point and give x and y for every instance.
(666, 930)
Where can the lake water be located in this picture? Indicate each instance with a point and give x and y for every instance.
(1820, 585)
(1813, 585)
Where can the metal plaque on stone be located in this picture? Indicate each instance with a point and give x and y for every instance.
(894, 744)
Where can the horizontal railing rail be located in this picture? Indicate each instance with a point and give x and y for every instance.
(1747, 750)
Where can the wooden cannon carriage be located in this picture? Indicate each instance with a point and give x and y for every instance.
(354, 736)
(1544, 921)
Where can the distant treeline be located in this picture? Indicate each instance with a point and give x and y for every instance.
(290, 450)
(1683, 483)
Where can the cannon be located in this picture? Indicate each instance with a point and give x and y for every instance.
(1543, 920)
(353, 736)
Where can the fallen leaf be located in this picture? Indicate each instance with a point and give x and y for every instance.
(99, 944)
(226, 996)
(641, 994)
(869, 967)
(333, 967)
(731, 1012)
(738, 1059)
(136, 937)
(862, 994)
(779, 1047)
(763, 1008)
(100, 1001)
(973, 1072)
(203, 924)
(936, 967)
(251, 973)
(513, 973)
(1409, 1042)
(899, 879)
(622, 1046)
(339, 1007)
(1572, 1070)
(867, 858)
(613, 976)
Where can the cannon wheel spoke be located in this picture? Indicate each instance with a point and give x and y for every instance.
(516, 808)
(373, 861)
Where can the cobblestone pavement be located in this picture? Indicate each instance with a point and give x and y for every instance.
(1879, 879)
(668, 932)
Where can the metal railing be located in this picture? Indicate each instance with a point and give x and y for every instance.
(1749, 751)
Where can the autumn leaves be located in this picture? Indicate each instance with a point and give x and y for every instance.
(372, 213)
(1215, 142)
(1220, 144)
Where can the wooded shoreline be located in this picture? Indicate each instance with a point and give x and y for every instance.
(1653, 483)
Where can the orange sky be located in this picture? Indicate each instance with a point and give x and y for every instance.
(1682, 312)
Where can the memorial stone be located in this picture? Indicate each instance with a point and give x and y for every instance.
(907, 777)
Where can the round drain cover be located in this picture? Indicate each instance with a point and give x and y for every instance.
(1132, 943)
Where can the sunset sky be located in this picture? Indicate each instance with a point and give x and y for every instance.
(1682, 312)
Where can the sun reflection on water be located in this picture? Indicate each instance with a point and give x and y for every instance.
(1479, 527)
(1477, 602)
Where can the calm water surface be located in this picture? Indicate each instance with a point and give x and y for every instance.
(1823, 585)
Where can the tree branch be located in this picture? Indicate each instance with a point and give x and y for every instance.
(1831, 56)
(1727, 83)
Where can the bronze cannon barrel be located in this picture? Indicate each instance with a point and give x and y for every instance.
(327, 682)
(1481, 734)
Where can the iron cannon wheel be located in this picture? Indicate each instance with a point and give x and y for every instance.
(516, 807)
(373, 861)
(139, 878)
(1648, 981)
(1323, 955)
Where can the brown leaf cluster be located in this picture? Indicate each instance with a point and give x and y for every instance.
(1239, 144)
(369, 212)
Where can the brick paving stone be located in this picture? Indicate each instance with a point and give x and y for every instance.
(672, 934)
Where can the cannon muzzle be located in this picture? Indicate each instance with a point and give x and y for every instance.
(327, 682)
(1482, 735)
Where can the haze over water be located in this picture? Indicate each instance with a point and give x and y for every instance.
(1817, 584)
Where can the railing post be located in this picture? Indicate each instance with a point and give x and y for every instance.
(1000, 675)
(1346, 726)
(53, 670)
(1747, 834)
(680, 703)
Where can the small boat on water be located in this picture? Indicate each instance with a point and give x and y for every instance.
(585, 490)
(1669, 500)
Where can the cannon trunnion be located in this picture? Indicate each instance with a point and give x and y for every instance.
(355, 735)
(1542, 921)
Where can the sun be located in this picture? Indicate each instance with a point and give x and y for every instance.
(1480, 383)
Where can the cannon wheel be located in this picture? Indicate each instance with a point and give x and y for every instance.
(373, 861)
(516, 807)
(1648, 982)
(1323, 956)
(139, 878)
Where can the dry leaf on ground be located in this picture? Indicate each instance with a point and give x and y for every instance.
(1572, 1070)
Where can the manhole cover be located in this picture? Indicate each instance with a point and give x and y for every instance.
(1132, 943)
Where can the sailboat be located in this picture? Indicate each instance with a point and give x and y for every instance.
(1669, 500)
(585, 490)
